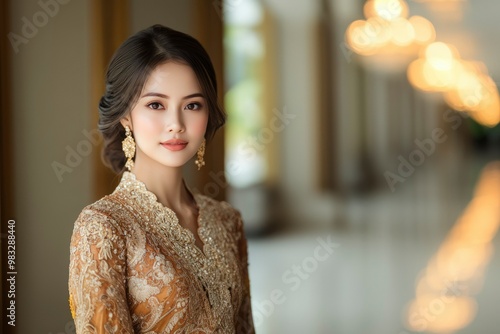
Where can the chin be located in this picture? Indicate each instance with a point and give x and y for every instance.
(174, 164)
(176, 160)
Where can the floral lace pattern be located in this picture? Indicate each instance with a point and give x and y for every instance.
(135, 269)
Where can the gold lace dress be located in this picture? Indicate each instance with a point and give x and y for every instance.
(135, 269)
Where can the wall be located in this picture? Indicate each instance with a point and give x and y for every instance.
(171, 13)
(50, 111)
(298, 82)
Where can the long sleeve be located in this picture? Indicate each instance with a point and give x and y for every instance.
(244, 319)
(97, 271)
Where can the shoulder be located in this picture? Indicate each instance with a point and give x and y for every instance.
(97, 236)
(101, 219)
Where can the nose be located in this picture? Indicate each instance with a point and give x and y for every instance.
(174, 122)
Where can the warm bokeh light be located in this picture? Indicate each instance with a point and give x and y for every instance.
(391, 9)
(388, 31)
(386, 9)
(358, 38)
(436, 73)
(464, 84)
(369, 9)
(424, 30)
(467, 93)
(444, 291)
(477, 94)
(440, 56)
(488, 112)
(451, 316)
(440, 80)
(379, 30)
(416, 76)
(403, 33)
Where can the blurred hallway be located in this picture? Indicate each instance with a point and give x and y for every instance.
(368, 281)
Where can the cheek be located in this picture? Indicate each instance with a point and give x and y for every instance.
(145, 125)
(199, 124)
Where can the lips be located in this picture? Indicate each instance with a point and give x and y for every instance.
(175, 144)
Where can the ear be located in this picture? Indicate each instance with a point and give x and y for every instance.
(126, 121)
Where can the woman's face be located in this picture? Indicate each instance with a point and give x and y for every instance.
(170, 118)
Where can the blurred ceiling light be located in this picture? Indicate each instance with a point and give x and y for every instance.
(391, 9)
(387, 9)
(468, 89)
(424, 30)
(440, 56)
(443, 294)
(437, 70)
(448, 317)
(416, 76)
(388, 38)
(488, 112)
(440, 79)
(464, 84)
(388, 31)
(403, 32)
(358, 38)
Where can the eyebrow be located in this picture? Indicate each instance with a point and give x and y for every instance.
(167, 97)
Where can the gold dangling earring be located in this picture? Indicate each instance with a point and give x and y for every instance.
(128, 147)
(201, 152)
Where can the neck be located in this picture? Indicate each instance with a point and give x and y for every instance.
(165, 182)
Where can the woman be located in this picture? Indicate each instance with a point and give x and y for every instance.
(152, 257)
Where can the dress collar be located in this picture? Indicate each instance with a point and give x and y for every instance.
(138, 193)
(130, 183)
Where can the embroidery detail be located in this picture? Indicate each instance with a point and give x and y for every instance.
(135, 269)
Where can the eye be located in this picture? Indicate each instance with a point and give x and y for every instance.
(155, 106)
(193, 106)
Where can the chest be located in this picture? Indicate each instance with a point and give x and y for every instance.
(168, 266)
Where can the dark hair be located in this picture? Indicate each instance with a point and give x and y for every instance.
(128, 71)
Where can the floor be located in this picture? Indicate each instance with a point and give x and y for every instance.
(420, 259)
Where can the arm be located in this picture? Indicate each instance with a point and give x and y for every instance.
(244, 318)
(97, 276)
